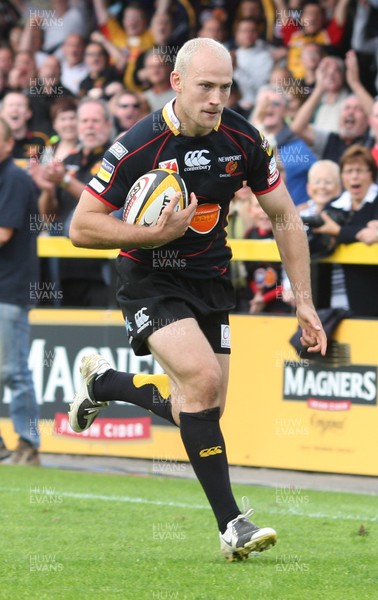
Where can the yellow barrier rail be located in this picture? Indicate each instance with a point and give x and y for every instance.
(241, 249)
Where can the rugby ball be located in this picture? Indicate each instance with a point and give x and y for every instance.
(150, 194)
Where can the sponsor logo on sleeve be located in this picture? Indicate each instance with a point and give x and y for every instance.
(118, 150)
(106, 170)
(96, 185)
(171, 164)
(274, 177)
(265, 145)
(273, 171)
(272, 165)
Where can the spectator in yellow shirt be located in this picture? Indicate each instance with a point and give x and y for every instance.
(301, 27)
(133, 37)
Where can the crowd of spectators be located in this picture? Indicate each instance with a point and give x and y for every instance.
(75, 74)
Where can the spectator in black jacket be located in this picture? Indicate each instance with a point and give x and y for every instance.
(354, 287)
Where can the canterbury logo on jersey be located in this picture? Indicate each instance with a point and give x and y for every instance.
(196, 160)
(210, 451)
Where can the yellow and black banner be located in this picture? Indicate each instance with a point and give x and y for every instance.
(282, 412)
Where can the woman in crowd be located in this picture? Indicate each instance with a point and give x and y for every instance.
(354, 287)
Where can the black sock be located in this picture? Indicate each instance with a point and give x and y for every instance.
(148, 391)
(204, 444)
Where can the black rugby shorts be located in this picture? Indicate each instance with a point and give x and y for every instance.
(151, 299)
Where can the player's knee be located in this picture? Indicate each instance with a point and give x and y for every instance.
(206, 385)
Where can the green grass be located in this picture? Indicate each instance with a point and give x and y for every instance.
(83, 536)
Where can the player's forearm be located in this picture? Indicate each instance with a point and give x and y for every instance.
(93, 225)
(293, 247)
(101, 231)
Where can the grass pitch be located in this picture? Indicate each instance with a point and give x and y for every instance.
(83, 536)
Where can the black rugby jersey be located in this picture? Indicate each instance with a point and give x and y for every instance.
(31, 146)
(213, 166)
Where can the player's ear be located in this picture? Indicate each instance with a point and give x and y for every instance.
(176, 81)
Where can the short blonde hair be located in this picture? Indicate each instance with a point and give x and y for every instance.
(329, 164)
(191, 47)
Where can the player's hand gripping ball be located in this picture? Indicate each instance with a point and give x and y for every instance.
(150, 194)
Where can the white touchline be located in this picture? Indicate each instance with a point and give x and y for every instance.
(294, 512)
(84, 496)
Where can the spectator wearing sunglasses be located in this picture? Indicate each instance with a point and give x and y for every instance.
(128, 109)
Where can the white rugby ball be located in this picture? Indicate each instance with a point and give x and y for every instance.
(150, 194)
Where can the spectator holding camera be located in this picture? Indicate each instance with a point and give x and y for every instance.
(354, 218)
(369, 234)
(323, 185)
